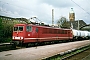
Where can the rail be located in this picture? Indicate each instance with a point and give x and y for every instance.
(67, 54)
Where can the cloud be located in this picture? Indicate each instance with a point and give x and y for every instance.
(58, 3)
(43, 9)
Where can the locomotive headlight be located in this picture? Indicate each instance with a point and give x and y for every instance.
(21, 37)
(13, 37)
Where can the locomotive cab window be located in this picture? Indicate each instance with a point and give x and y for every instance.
(29, 28)
(15, 28)
(18, 28)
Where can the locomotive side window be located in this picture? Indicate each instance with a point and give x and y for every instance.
(36, 29)
(29, 28)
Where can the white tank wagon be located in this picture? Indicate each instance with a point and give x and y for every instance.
(79, 33)
(89, 35)
(75, 33)
(86, 34)
(82, 34)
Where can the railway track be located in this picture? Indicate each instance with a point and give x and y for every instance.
(69, 53)
(11, 46)
(44, 52)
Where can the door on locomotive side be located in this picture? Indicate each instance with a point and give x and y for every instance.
(31, 34)
(28, 33)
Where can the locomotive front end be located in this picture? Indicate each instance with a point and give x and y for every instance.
(18, 34)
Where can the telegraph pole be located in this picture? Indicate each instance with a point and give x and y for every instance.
(78, 24)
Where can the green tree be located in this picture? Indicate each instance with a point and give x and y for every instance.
(7, 30)
(1, 31)
(62, 22)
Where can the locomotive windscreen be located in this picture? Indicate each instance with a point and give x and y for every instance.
(18, 28)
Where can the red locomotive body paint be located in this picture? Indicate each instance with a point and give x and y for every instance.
(32, 33)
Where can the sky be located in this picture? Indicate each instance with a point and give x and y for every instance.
(42, 9)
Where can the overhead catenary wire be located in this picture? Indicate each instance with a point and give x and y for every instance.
(29, 9)
(80, 7)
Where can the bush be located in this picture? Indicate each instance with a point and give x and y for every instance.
(4, 40)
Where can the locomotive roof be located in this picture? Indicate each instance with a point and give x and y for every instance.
(43, 26)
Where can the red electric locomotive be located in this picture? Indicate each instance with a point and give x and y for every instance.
(28, 33)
